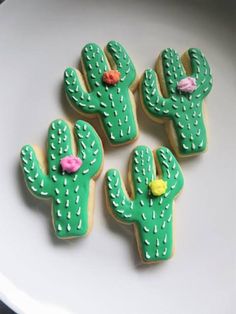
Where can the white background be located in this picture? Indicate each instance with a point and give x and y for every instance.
(102, 273)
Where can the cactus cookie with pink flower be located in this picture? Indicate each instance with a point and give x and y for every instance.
(175, 96)
(70, 177)
(104, 89)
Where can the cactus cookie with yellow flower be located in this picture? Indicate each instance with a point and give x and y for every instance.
(104, 89)
(155, 179)
(175, 96)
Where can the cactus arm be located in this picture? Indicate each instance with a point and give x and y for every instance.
(143, 172)
(122, 61)
(170, 171)
(119, 203)
(94, 65)
(76, 94)
(36, 180)
(173, 70)
(59, 145)
(201, 72)
(152, 100)
(90, 149)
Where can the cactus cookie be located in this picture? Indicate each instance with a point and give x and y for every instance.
(105, 92)
(150, 204)
(178, 101)
(69, 180)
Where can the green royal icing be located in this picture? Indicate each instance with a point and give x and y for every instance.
(69, 192)
(111, 102)
(151, 215)
(183, 109)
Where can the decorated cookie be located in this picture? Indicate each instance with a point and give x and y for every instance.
(150, 204)
(105, 92)
(178, 101)
(69, 181)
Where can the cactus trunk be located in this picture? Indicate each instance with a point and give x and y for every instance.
(155, 240)
(122, 128)
(71, 202)
(191, 133)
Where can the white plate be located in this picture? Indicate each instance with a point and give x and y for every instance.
(102, 273)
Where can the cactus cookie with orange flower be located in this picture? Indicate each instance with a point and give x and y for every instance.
(104, 89)
(149, 207)
(175, 96)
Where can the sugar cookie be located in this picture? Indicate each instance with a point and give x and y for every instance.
(149, 206)
(69, 181)
(100, 91)
(178, 101)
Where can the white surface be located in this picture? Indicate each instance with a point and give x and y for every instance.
(102, 273)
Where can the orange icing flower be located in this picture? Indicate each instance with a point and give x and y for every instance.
(111, 77)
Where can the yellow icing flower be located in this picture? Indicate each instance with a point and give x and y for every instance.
(158, 187)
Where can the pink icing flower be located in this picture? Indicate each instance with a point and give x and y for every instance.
(111, 77)
(187, 85)
(70, 164)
